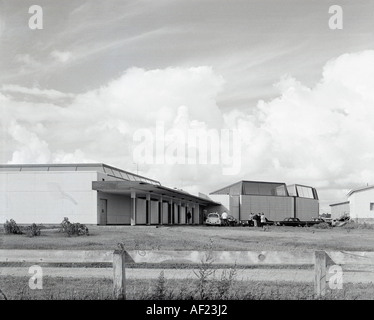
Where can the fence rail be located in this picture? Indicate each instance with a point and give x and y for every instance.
(119, 259)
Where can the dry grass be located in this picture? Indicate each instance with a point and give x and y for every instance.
(16, 288)
(188, 238)
(197, 238)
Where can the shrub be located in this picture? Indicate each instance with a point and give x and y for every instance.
(33, 230)
(73, 228)
(224, 285)
(160, 287)
(349, 225)
(322, 225)
(203, 273)
(161, 290)
(365, 226)
(11, 227)
(352, 225)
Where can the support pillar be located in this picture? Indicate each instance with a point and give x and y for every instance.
(160, 211)
(148, 209)
(133, 208)
(179, 212)
(170, 211)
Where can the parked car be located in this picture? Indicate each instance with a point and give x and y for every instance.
(269, 222)
(246, 223)
(232, 220)
(213, 219)
(250, 223)
(296, 222)
(290, 222)
(321, 220)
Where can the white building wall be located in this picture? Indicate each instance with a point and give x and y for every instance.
(337, 211)
(47, 197)
(118, 208)
(223, 199)
(360, 204)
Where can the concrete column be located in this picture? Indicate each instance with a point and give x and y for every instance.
(173, 213)
(160, 211)
(148, 208)
(170, 211)
(179, 212)
(193, 214)
(133, 208)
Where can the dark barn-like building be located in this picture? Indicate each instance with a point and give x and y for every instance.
(275, 199)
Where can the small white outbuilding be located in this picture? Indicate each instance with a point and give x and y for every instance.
(361, 204)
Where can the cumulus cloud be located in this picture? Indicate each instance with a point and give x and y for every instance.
(61, 56)
(320, 135)
(99, 124)
(32, 149)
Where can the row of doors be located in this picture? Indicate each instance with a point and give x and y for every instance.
(104, 211)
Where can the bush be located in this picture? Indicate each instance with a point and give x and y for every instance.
(73, 228)
(349, 225)
(352, 225)
(33, 230)
(11, 227)
(322, 225)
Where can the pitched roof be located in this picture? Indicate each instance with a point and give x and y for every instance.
(359, 189)
(338, 203)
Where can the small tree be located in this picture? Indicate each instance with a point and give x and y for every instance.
(77, 229)
(33, 230)
(11, 227)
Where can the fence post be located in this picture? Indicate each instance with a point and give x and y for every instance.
(119, 275)
(320, 273)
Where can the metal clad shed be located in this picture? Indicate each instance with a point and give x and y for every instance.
(275, 199)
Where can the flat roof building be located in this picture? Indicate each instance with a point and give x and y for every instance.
(92, 193)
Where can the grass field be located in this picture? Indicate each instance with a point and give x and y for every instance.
(188, 238)
(198, 238)
(16, 288)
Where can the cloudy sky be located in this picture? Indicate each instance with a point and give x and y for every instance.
(298, 94)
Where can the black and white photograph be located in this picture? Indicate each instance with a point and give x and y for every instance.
(186, 155)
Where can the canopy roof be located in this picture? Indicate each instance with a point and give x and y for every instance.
(155, 191)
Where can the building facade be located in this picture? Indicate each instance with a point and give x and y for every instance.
(361, 203)
(340, 209)
(92, 194)
(276, 200)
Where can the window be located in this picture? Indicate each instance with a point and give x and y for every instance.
(117, 173)
(125, 176)
(305, 192)
(131, 177)
(108, 171)
(371, 206)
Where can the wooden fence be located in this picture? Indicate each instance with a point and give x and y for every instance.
(118, 258)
